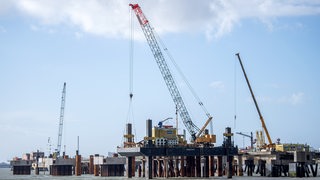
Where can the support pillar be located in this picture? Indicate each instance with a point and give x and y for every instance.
(37, 170)
(176, 166)
(139, 171)
(240, 169)
(129, 167)
(96, 170)
(250, 167)
(143, 168)
(188, 169)
(206, 166)
(190, 166)
(78, 165)
(158, 168)
(211, 166)
(165, 167)
(91, 164)
(150, 167)
(314, 170)
(219, 166)
(229, 166)
(198, 166)
(133, 167)
(155, 167)
(182, 166)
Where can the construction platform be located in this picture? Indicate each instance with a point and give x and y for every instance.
(21, 167)
(178, 151)
(185, 160)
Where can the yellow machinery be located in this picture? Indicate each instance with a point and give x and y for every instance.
(270, 145)
(167, 136)
(261, 144)
(206, 138)
(164, 132)
(292, 147)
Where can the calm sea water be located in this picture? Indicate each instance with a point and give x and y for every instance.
(6, 173)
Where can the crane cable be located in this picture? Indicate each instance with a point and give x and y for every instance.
(235, 93)
(185, 79)
(131, 50)
(130, 115)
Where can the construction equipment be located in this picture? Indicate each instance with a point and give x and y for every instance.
(63, 101)
(249, 136)
(270, 145)
(194, 131)
(261, 143)
(161, 122)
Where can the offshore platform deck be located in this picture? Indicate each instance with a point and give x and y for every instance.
(178, 151)
(186, 160)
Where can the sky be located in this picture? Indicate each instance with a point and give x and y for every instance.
(87, 45)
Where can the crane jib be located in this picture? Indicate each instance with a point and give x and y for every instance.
(63, 101)
(142, 19)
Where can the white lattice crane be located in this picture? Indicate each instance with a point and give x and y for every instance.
(63, 101)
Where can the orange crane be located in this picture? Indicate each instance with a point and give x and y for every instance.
(271, 145)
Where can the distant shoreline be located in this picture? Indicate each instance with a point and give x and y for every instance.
(5, 165)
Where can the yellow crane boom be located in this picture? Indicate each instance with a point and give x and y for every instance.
(255, 101)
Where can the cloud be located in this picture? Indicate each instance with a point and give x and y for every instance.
(217, 85)
(103, 18)
(111, 18)
(294, 99)
(297, 98)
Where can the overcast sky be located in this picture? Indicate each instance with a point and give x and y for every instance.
(86, 44)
